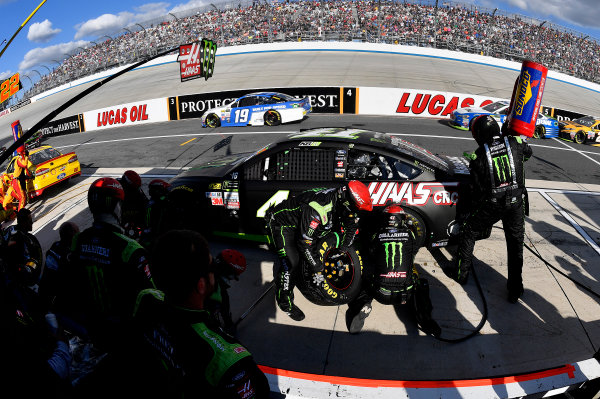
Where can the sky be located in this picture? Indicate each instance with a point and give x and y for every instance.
(62, 27)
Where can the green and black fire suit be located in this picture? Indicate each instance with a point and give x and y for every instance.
(190, 356)
(105, 272)
(296, 223)
(499, 193)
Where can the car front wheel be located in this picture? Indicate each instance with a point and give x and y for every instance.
(540, 132)
(579, 137)
(213, 120)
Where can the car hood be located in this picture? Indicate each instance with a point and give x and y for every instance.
(458, 166)
(219, 167)
(573, 125)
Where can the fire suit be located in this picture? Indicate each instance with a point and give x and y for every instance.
(294, 226)
(190, 356)
(390, 275)
(499, 193)
(104, 273)
(24, 170)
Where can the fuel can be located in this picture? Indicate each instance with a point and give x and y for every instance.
(527, 99)
(17, 132)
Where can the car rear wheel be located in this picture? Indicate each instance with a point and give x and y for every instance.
(540, 132)
(579, 137)
(213, 120)
(272, 118)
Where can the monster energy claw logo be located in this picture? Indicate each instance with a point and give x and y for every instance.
(502, 166)
(394, 246)
(209, 51)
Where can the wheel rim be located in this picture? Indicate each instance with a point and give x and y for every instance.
(338, 280)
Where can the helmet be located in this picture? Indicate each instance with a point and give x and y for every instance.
(104, 195)
(132, 179)
(359, 196)
(394, 215)
(483, 128)
(230, 263)
(158, 189)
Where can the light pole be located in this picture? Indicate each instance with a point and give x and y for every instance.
(141, 27)
(173, 16)
(128, 30)
(221, 22)
(49, 71)
(109, 38)
(33, 70)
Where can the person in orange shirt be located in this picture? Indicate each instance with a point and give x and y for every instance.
(24, 170)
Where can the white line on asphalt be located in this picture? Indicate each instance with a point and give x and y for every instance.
(573, 223)
(63, 211)
(579, 151)
(555, 191)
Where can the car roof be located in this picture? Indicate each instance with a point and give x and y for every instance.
(382, 141)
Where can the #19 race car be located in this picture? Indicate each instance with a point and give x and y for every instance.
(258, 109)
(546, 127)
(51, 167)
(232, 194)
(581, 130)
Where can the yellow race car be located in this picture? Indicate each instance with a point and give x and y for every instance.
(581, 130)
(51, 167)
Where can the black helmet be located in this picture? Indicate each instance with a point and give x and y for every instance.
(394, 215)
(158, 189)
(104, 195)
(483, 128)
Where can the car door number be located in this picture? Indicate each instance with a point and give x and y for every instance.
(275, 199)
(241, 115)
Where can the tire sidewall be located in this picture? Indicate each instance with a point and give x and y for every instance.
(324, 292)
(272, 114)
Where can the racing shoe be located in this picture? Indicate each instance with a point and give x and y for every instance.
(514, 295)
(355, 317)
(289, 308)
(429, 326)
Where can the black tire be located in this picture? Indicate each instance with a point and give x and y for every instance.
(540, 132)
(336, 288)
(418, 226)
(213, 120)
(579, 137)
(272, 118)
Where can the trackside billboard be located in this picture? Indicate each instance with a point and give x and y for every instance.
(137, 113)
(415, 103)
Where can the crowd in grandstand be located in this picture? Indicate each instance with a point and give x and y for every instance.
(455, 27)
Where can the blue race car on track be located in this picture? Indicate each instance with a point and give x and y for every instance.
(258, 109)
(546, 127)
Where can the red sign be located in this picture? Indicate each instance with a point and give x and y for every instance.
(9, 87)
(197, 60)
(120, 116)
(433, 105)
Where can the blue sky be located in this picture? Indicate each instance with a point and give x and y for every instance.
(62, 27)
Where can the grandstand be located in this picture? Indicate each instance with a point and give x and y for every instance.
(447, 25)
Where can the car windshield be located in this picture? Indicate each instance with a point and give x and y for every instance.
(585, 121)
(420, 153)
(494, 107)
(44, 155)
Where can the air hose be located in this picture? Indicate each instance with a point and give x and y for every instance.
(483, 317)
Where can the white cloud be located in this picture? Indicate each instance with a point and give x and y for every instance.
(42, 32)
(6, 74)
(43, 55)
(104, 24)
(190, 4)
(111, 23)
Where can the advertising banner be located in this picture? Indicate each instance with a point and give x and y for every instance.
(137, 113)
(71, 124)
(415, 103)
(322, 100)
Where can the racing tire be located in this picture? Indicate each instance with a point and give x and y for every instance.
(418, 226)
(330, 287)
(213, 121)
(539, 132)
(272, 118)
(579, 137)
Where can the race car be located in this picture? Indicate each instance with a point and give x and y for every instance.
(258, 109)
(231, 195)
(581, 130)
(546, 126)
(51, 167)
